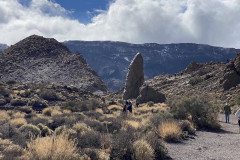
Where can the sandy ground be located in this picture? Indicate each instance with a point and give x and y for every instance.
(209, 145)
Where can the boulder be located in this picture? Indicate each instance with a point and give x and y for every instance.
(231, 76)
(135, 78)
(148, 93)
(193, 66)
(237, 63)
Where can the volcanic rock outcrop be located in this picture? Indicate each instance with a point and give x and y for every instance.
(135, 78)
(147, 94)
(37, 59)
(231, 74)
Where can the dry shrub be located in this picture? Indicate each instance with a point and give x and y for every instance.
(160, 150)
(187, 126)
(45, 131)
(51, 148)
(12, 152)
(143, 150)
(18, 115)
(103, 156)
(130, 123)
(67, 111)
(169, 131)
(81, 128)
(4, 117)
(30, 130)
(18, 122)
(49, 111)
(4, 143)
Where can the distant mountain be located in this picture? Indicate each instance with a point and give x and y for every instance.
(111, 59)
(3, 46)
(38, 59)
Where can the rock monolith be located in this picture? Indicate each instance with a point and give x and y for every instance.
(135, 78)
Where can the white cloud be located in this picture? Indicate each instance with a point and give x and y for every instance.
(214, 22)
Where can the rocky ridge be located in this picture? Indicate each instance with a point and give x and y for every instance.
(111, 59)
(199, 79)
(37, 59)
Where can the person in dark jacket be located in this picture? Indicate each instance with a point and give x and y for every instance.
(129, 107)
(227, 111)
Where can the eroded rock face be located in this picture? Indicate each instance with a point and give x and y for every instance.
(147, 94)
(231, 76)
(135, 78)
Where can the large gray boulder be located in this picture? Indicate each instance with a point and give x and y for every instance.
(231, 76)
(135, 78)
(147, 94)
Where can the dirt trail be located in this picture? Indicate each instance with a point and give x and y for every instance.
(224, 145)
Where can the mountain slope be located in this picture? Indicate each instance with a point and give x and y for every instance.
(2, 47)
(38, 59)
(111, 59)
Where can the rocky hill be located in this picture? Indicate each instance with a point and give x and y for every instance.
(111, 59)
(216, 80)
(38, 59)
(2, 47)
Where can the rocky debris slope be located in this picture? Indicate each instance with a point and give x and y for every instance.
(111, 59)
(38, 59)
(205, 80)
(135, 78)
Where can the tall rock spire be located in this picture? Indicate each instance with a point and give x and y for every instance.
(135, 78)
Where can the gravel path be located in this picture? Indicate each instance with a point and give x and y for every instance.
(210, 145)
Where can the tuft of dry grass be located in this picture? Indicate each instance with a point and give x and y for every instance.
(18, 115)
(18, 122)
(143, 150)
(4, 116)
(169, 131)
(131, 123)
(54, 148)
(115, 107)
(50, 111)
(67, 111)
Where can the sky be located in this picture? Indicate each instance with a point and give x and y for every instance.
(213, 22)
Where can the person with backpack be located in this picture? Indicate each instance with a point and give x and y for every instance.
(237, 114)
(125, 108)
(227, 111)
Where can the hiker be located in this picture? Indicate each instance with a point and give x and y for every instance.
(137, 104)
(237, 114)
(125, 108)
(129, 107)
(227, 111)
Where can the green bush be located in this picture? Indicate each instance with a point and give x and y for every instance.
(198, 108)
(157, 118)
(38, 104)
(80, 106)
(30, 130)
(49, 94)
(4, 92)
(45, 131)
(195, 80)
(18, 102)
